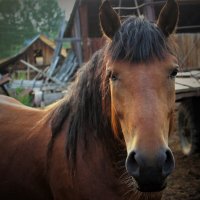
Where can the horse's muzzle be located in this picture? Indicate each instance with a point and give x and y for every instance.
(150, 173)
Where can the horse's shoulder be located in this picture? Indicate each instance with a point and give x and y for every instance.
(18, 118)
(5, 99)
(10, 106)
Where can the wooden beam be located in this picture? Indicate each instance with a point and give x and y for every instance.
(187, 94)
(43, 73)
(5, 90)
(68, 39)
(26, 84)
(57, 52)
(3, 80)
(187, 85)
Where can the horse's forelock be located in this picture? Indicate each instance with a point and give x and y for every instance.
(139, 40)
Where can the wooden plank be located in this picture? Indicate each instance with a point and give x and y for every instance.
(188, 82)
(53, 66)
(66, 66)
(68, 39)
(58, 49)
(189, 50)
(33, 84)
(194, 73)
(42, 72)
(77, 32)
(71, 72)
(180, 95)
(42, 98)
(26, 84)
(187, 85)
(4, 79)
(51, 87)
(198, 50)
(49, 98)
(180, 87)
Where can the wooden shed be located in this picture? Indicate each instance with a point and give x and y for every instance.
(38, 52)
(83, 26)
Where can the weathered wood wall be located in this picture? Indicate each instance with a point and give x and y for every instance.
(46, 51)
(188, 43)
(188, 50)
(30, 53)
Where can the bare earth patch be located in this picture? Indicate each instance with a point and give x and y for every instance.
(184, 183)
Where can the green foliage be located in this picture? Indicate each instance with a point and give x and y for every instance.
(21, 20)
(23, 96)
(67, 45)
(21, 75)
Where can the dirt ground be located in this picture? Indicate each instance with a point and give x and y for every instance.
(184, 183)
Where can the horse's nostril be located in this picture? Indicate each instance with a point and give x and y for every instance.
(132, 165)
(150, 171)
(139, 165)
(169, 164)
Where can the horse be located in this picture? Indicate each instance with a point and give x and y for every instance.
(108, 137)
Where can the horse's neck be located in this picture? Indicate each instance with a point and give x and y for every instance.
(95, 168)
(99, 171)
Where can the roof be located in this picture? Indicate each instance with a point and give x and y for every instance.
(51, 44)
(47, 41)
(43, 38)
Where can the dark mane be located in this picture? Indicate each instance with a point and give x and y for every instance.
(83, 108)
(139, 40)
(87, 104)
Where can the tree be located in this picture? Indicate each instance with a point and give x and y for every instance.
(21, 20)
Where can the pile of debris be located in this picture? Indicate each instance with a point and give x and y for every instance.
(46, 84)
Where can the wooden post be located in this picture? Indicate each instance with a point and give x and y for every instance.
(149, 10)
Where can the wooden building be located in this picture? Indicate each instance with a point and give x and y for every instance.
(38, 52)
(83, 26)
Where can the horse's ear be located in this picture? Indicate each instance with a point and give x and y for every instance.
(168, 17)
(109, 20)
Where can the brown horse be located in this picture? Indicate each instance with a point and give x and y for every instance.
(108, 138)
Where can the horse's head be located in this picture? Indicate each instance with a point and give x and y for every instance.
(141, 69)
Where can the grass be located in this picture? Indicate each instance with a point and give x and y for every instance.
(23, 96)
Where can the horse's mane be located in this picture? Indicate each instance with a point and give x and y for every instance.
(82, 107)
(87, 104)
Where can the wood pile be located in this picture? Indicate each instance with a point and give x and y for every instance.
(187, 84)
(50, 84)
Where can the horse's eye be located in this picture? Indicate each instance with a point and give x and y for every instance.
(113, 77)
(173, 73)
